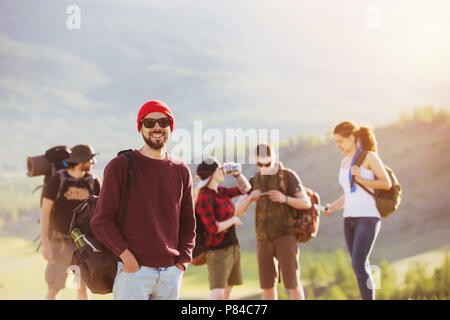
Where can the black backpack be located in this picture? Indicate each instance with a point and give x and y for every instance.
(98, 265)
(53, 164)
(199, 251)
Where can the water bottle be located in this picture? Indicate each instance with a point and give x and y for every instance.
(77, 237)
(232, 168)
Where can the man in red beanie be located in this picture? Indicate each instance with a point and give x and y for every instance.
(156, 243)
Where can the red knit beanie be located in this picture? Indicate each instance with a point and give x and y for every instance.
(154, 106)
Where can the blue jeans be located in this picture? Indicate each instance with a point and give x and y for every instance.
(148, 283)
(360, 236)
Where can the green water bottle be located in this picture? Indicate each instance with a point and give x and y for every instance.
(76, 235)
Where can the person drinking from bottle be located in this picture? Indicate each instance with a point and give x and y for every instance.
(220, 217)
(361, 216)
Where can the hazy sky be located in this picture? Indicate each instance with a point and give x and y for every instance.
(300, 66)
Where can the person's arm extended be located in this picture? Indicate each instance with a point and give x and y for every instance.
(47, 206)
(206, 212)
(300, 200)
(244, 202)
(243, 182)
(335, 206)
(224, 225)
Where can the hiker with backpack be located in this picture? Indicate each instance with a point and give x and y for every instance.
(276, 240)
(219, 218)
(359, 177)
(64, 192)
(154, 243)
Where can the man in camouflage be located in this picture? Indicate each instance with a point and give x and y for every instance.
(276, 243)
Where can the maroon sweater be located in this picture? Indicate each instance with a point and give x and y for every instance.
(159, 225)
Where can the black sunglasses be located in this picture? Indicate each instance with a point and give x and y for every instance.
(259, 164)
(150, 123)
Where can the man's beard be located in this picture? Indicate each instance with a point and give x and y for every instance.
(155, 145)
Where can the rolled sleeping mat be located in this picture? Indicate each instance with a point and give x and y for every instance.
(38, 165)
(41, 165)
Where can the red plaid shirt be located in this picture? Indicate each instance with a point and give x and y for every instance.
(219, 210)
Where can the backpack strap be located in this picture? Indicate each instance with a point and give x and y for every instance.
(62, 177)
(282, 180)
(362, 156)
(130, 163)
(367, 190)
(90, 180)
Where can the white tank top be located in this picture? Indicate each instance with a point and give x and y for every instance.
(358, 203)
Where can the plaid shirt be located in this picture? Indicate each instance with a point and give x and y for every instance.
(221, 209)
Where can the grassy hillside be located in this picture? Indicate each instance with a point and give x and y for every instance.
(324, 276)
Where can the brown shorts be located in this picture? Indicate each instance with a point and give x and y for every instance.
(62, 251)
(224, 267)
(282, 250)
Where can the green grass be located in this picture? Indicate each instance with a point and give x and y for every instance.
(195, 281)
(430, 260)
(22, 275)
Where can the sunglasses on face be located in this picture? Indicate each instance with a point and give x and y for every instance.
(150, 123)
(266, 165)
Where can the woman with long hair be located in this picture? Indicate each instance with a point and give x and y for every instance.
(361, 217)
(219, 215)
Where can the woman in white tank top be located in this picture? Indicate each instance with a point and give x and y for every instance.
(361, 216)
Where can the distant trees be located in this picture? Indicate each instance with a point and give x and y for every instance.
(423, 114)
(330, 277)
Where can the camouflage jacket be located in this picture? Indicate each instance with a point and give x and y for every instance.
(273, 219)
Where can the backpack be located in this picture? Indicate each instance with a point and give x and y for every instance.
(199, 251)
(51, 164)
(48, 164)
(305, 224)
(98, 265)
(387, 201)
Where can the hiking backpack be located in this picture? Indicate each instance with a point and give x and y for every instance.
(48, 164)
(98, 265)
(199, 251)
(387, 201)
(51, 164)
(305, 223)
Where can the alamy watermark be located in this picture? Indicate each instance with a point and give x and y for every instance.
(376, 276)
(73, 22)
(374, 17)
(230, 145)
(73, 281)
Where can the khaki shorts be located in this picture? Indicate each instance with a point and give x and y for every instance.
(62, 251)
(283, 251)
(224, 267)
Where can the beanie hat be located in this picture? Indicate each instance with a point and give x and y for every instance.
(154, 106)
